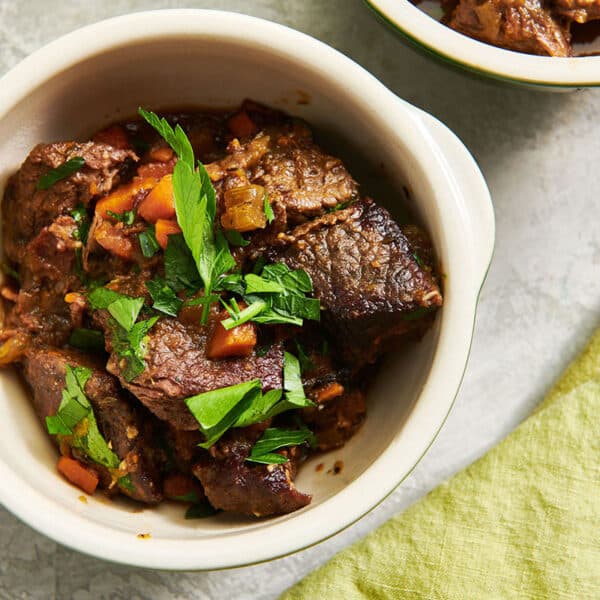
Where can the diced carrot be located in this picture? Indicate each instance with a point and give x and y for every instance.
(162, 154)
(123, 198)
(159, 203)
(178, 486)
(114, 136)
(329, 392)
(239, 341)
(163, 229)
(156, 169)
(79, 475)
(241, 125)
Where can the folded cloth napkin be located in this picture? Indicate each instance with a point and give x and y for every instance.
(521, 522)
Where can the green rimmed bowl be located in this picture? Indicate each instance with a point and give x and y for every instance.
(435, 39)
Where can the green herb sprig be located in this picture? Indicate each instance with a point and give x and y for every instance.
(244, 403)
(59, 173)
(195, 206)
(73, 409)
(275, 438)
(277, 296)
(128, 336)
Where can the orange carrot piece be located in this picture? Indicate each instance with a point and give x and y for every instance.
(239, 341)
(241, 125)
(329, 392)
(79, 475)
(163, 229)
(159, 203)
(123, 198)
(114, 136)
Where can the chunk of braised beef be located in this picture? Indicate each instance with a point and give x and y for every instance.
(365, 274)
(525, 26)
(127, 428)
(48, 271)
(580, 11)
(177, 367)
(334, 421)
(233, 484)
(27, 210)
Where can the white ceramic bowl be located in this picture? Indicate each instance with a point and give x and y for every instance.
(169, 58)
(541, 72)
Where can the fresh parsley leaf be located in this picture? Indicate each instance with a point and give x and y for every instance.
(80, 217)
(75, 417)
(306, 364)
(268, 209)
(164, 298)
(294, 390)
(232, 283)
(255, 284)
(180, 271)
(275, 438)
(148, 242)
(131, 346)
(195, 205)
(102, 297)
(200, 511)
(128, 337)
(65, 170)
(258, 410)
(87, 339)
(273, 317)
(210, 408)
(235, 238)
(127, 217)
(247, 314)
(176, 138)
(126, 310)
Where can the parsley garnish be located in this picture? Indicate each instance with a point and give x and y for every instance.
(80, 217)
(54, 175)
(275, 438)
(148, 242)
(244, 403)
(235, 238)
(164, 298)
(195, 205)
(75, 417)
(87, 339)
(268, 209)
(128, 337)
(277, 295)
(127, 217)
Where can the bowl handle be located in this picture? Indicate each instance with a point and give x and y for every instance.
(476, 195)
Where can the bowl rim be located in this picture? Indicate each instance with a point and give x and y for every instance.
(481, 58)
(303, 529)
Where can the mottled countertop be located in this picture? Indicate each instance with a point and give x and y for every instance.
(540, 154)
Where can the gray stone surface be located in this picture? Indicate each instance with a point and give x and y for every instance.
(539, 153)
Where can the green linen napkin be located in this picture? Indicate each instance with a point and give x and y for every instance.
(521, 522)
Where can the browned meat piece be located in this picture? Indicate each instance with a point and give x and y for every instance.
(122, 425)
(521, 25)
(337, 420)
(580, 11)
(230, 483)
(365, 275)
(26, 210)
(296, 174)
(47, 273)
(177, 367)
